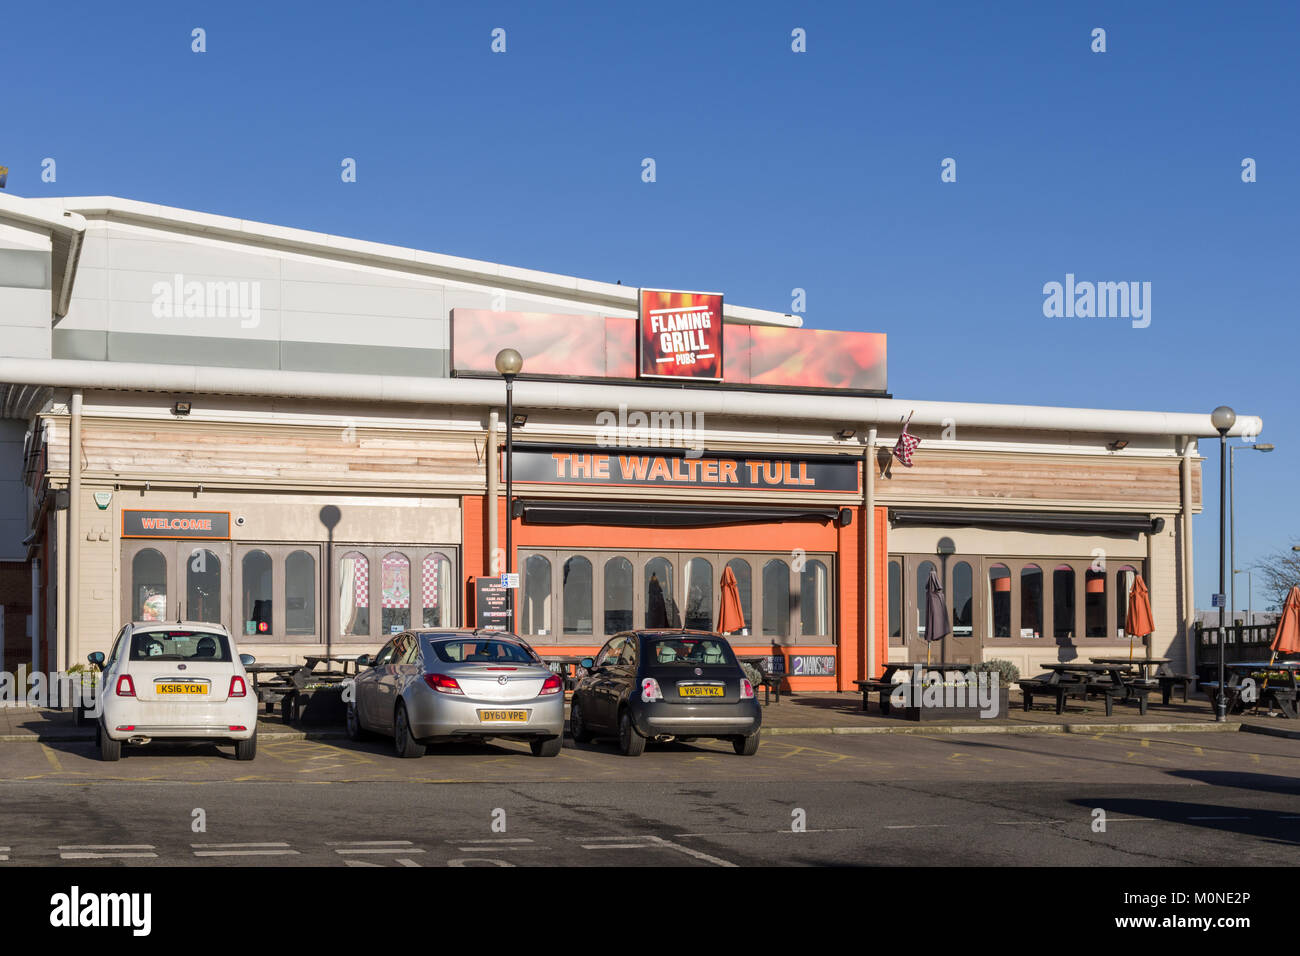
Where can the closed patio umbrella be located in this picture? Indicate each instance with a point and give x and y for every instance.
(936, 614)
(1287, 638)
(731, 617)
(1138, 621)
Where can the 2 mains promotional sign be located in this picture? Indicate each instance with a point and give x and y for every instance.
(566, 466)
(680, 335)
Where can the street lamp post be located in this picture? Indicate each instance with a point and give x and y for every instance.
(1250, 597)
(1232, 515)
(508, 363)
(1223, 418)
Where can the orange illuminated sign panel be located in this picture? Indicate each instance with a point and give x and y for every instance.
(680, 335)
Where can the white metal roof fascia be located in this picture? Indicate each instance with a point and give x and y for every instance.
(450, 267)
(842, 410)
(66, 230)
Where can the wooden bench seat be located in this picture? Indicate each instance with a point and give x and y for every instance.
(1168, 682)
(883, 688)
(1040, 687)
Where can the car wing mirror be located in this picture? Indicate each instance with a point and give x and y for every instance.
(97, 658)
(247, 659)
(364, 661)
(587, 663)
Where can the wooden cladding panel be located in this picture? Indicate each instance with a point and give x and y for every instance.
(1028, 478)
(277, 454)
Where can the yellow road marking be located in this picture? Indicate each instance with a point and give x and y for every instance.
(53, 758)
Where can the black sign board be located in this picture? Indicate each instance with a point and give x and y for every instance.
(491, 604)
(680, 468)
(176, 524)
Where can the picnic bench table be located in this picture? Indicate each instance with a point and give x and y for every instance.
(1167, 680)
(284, 684)
(1278, 685)
(769, 680)
(1077, 679)
(569, 667)
(885, 684)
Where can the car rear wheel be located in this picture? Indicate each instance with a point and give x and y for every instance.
(355, 730)
(407, 746)
(550, 747)
(746, 746)
(109, 749)
(246, 749)
(577, 725)
(630, 742)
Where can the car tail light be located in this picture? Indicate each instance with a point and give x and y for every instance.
(125, 687)
(126, 727)
(237, 687)
(552, 685)
(650, 690)
(236, 727)
(443, 684)
(746, 690)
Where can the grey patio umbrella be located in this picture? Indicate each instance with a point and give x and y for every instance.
(936, 614)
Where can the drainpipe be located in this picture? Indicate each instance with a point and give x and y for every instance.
(36, 614)
(1189, 595)
(493, 491)
(71, 594)
(869, 507)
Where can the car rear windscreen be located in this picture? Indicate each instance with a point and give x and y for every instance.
(688, 650)
(478, 650)
(179, 645)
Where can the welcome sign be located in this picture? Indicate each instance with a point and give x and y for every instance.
(680, 335)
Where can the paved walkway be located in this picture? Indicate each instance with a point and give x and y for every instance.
(805, 713)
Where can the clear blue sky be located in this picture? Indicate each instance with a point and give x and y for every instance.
(775, 170)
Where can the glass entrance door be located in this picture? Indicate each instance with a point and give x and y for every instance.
(176, 580)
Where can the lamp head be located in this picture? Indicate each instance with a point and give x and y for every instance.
(1264, 447)
(1223, 418)
(509, 362)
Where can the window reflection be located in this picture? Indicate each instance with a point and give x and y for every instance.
(577, 595)
(618, 595)
(699, 594)
(148, 586)
(776, 599)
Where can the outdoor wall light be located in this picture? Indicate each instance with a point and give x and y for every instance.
(1118, 444)
(844, 434)
(518, 420)
(181, 408)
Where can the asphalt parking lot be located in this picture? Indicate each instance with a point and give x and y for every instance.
(1167, 799)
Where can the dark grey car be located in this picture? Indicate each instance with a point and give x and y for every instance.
(666, 685)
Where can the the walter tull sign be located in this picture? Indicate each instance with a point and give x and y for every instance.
(681, 335)
(570, 467)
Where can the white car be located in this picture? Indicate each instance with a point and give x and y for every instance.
(182, 681)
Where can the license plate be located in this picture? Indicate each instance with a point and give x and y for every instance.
(699, 690)
(513, 716)
(183, 689)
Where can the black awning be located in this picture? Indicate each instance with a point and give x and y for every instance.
(639, 514)
(1081, 522)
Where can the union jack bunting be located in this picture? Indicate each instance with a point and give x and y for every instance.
(905, 445)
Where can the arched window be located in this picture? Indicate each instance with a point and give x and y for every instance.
(255, 571)
(1094, 603)
(744, 585)
(618, 595)
(300, 593)
(1031, 601)
(203, 586)
(776, 598)
(699, 594)
(660, 605)
(1125, 577)
(922, 579)
(1063, 602)
(148, 586)
(535, 615)
(963, 600)
(577, 595)
(999, 595)
(814, 600)
(354, 594)
(895, 603)
(396, 593)
(435, 590)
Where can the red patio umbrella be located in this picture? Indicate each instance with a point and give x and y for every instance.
(731, 617)
(1287, 639)
(1138, 621)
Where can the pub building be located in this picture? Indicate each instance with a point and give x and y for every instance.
(301, 436)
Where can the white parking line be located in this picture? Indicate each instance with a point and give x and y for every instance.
(367, 842)
(499, 843)
(106, 851)
(342, 847)
(646, 842)
(4, 852)
(242, 849)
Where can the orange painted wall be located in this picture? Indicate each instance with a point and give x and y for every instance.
(847, 543)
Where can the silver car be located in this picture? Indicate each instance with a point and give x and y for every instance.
(434, 686)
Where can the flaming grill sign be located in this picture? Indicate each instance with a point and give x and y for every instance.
(681, 335)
